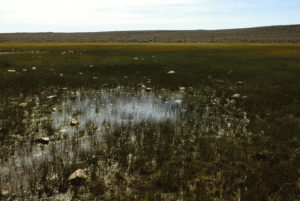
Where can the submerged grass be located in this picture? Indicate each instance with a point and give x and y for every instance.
(184, 159)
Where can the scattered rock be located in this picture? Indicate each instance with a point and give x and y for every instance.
(181, 88)
(61, 75)
(51, 97)
(142, 86)
(236, 96)
(33, 68)
(178, 101)
(135, 58)
(244, 97)
(74, 122)
(54, 109)
(95, 78)
(125, 77)
(11, 71)
(24, 70)
(171, 72)
(80, 73)
(148, 89)
(148, 81)
(91, 66)
(220, 81)
(229, 72)
(43, 140)
(78, 175)
(239, 83)
(23, 105)
(105, 85)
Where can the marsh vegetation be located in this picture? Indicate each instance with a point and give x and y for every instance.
(149, 121)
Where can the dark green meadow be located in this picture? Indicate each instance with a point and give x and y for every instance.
(256, 156)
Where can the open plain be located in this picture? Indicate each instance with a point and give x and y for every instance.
(149, 121)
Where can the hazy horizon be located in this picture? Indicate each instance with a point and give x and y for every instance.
(132, 15)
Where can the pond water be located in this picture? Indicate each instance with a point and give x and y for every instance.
(99, 110)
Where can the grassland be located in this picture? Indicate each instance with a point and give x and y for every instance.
(184, 159)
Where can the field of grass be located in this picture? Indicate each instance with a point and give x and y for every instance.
(217, 146)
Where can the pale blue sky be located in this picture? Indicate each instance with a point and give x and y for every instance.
(116, 15)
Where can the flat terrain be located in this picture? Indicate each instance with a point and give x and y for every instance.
(221, 122)
(272, 34)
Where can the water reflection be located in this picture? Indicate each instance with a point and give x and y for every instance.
(96, 109)
(115, 108)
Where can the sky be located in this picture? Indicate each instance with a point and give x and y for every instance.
(118, 15)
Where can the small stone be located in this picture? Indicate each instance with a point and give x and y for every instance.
(54, 109)
(105, 85)
(181, 88)
(239, 83)
(171, 72)
(236, 96)
(178, 101)
(80, 73)
(78, 175)
(23, 105)
(74, 122)
(244, 97)
(95, 78)
(148, 89)
(220, 81)
(91, 66)
(125, 77)
(43, 140)
(11, 71)
(142, 86)
(61, 74)
(51, 97)
(33, 68)
(24, 70)
(135, 58)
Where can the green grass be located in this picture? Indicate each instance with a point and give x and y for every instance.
(190, 164)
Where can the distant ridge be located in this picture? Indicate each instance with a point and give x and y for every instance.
(270, 34)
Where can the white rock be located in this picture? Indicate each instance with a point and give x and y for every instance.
(33, 68)
(236, 96)
(148, 89)
(74, 122)
(11, 71)
(23, 105)
(78, 175)
(171, 72)
(54, 109)
(43, 140)
(51, 97)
